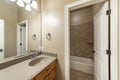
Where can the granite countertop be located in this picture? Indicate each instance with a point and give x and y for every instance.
(22, 70)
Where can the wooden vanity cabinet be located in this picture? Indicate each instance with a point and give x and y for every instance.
(48, 73)
(52, 75)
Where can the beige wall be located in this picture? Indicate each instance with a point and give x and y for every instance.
(53, 22)
(34, 26)
(119, 40)
(9, 14)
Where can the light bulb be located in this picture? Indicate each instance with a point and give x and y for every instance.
(27, 1)
(34, 4)
(20, 3)
(28, 7)
(13, 0)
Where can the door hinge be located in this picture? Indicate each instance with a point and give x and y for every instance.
(108, 52)
(1, 50)
(20, 44)
(108, 12)
(20, 29)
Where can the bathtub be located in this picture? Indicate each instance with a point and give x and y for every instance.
(82, 64)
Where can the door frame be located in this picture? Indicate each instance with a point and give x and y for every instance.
(119, 37)
(3, 38)
(113, 31)
(114, 40)
(18, 25)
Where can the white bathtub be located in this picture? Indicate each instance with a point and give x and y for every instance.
(82, 64)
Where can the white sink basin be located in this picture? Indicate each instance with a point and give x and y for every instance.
(37, 61)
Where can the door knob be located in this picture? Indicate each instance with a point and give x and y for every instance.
(1, 50)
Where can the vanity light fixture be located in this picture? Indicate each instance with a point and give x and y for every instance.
(20, 3)
(34, 4)
(28, 4)
(27, 1)
(28, 7)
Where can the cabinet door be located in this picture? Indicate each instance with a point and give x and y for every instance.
(52, 75)
(47, 78)
(33, 79)
(41, 76)
(48, 73)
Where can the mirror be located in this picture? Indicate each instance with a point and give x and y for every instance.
(20, 28)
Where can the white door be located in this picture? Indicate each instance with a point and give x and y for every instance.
(21, 40)
(101, 43)
(1, 39)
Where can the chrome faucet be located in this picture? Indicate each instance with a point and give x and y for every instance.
(33, 53)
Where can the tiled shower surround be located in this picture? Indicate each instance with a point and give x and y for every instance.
(81, 40)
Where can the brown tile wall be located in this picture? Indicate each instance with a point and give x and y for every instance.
(81, 40)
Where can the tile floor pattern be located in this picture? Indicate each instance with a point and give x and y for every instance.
(78, 75)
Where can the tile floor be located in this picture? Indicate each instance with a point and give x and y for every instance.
(78, 75)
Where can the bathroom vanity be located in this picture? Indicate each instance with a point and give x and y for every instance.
(21, 34)
(43, 68)
(48, 73)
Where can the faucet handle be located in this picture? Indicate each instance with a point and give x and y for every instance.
(35, 51)
(28, 51)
